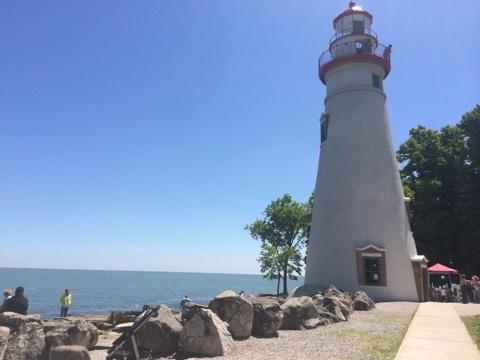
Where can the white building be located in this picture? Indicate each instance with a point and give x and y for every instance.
(360, 237)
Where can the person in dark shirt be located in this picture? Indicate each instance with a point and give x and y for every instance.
(17, 303)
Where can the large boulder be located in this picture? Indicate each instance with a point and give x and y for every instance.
(70, 352)
(204, 334)
(237, 311)
(191, 309)
(4, 333)
(334, 306)
(120, 317)
(267, 317)
(362, 302)
(72, 332)
(26, 340)
(299, 314)
(161, 333)
(345, 299)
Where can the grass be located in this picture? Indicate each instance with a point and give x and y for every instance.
(386, 346)
(381, 346)
(472, 323)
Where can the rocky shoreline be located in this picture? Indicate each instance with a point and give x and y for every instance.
(198, 331)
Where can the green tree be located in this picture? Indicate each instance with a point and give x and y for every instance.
(441, 174)
(283, 232)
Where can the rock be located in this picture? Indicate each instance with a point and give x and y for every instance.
(70, 352)
(101, 325)
(72, 332)
(334, 306)
(279, 299)
(362, 302)
(237, 311)
(4, 333)
(345, 299)
(191, 309)
(204, 334)
(161, 334)
(120, 317)
(26, 340)
(267, 317)
(299, 313)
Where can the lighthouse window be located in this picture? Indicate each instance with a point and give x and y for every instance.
(376, 81)
(358, 27)
(324, 127)
(372, 271)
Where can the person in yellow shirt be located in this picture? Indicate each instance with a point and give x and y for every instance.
(65, 302)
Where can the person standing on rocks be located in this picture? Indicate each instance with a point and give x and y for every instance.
(7, 294)
(65, 302)
(186, 300)
(17, 303)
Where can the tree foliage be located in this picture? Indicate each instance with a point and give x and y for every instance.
(441, 174)
(283, 232)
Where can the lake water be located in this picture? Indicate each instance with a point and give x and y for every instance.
(102, 291)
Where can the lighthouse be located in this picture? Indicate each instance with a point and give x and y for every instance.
(360, 233)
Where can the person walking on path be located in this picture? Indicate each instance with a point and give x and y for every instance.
(7, 294)
(18, 303)
(65, 302)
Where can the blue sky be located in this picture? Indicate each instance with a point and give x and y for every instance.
(145, 135)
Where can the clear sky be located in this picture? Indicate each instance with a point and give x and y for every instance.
(145, 135)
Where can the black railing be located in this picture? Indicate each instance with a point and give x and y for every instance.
(340, 34)
(350, 48)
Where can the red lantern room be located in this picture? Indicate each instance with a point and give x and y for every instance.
(354, 41)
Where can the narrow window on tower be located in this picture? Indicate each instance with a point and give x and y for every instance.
(372, 271)
(324, 127)
(377, 81)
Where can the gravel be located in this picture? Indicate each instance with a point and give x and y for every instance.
(367, 335)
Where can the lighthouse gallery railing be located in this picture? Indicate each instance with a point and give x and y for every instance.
(354, 47)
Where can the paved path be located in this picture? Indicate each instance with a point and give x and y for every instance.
(437, 333)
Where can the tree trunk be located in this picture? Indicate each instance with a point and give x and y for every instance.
(278, 284)
(285, 281)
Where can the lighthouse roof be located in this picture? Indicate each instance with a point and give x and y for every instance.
(353, 8)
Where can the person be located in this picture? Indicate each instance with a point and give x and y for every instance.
(17, 303)
(183, 303)
(476, 288)
(242, 293)
(65, 302)
(7, 294)
(464, 288)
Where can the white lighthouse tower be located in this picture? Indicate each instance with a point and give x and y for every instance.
(360, 236)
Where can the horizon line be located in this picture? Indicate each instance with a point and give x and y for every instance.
(118, 270)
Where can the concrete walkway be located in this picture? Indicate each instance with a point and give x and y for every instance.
(437, 332)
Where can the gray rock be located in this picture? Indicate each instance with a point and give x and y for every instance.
(204, 334)
(345, 299)
(237, 311)
(191, 309)
(267, 318)
(72, 332)
(101, 325)
(161, 334)
(4, 333)
(299, 314)
(120, 317)
(70, 352)
(26, 340)
(334, 306)
(362, 302)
